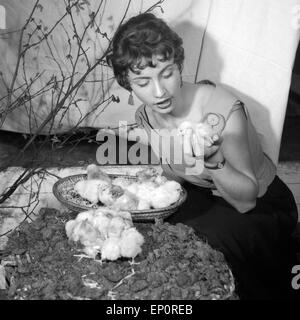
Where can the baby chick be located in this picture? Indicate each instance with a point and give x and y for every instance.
(117, 198)
(110, 249)
(88, 189)
(148, 174)
(121, 182)
(84, 232)
(116, 227)
(131, 243)
(69, 226)
(160, 180)
(109, 193)
(144, 204)
(101, 223)
(126, 216)
(142, 190)
(127, 201)
(165, 195)
(101, 230)
(89, 214)
(94, 172)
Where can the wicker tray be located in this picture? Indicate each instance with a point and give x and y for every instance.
(65, 185)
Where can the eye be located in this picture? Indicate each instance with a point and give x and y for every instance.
(168, 74)
(142, 83)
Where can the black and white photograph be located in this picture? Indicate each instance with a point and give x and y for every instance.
(150, 153)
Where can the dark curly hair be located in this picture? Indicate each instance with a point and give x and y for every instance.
(140, 38)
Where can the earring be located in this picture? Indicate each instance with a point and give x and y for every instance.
(130, 99)
(181, 82)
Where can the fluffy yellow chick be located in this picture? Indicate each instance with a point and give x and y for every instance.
(101, 222)
(89, 214)
(160, 180)
(111, 249)
(131, 243)
(144, 205)
(116, 227)
(121, 182)
(148, 174)
(127, 201)
(88, 189)
(96, 178)
(92, 251)
(126, 216)
(204, 130)
(185, 126)
(69, 226)
(85, 233)
(142, 190)
(210, 127)
(107, 194)
(98, 229)
(165, 195)
(95, 173)
(117, 198)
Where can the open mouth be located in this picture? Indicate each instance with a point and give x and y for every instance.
(164, 104)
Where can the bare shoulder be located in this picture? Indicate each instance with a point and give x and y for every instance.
(196, 97)
(204, 90)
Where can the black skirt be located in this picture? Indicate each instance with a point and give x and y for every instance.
(257, 244)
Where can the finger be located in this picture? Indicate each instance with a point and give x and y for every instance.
(216, 121)
(215, 138)
(211, 151)
(208, 141)
(204, 132)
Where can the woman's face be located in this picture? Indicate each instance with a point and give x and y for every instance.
(157, 86)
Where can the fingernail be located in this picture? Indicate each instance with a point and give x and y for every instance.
(215, 137)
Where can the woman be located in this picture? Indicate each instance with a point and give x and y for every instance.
(237, 203)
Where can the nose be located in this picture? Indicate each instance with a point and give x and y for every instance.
(159, 89)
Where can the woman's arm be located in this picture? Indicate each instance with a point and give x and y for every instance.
(236, 180)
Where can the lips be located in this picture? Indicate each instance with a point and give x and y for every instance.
(164, 104)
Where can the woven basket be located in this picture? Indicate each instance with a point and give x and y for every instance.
(63, 185)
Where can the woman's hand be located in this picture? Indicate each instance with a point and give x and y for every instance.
(199, 142)
(202, 140)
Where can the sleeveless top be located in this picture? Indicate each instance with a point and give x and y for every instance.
(223, 102)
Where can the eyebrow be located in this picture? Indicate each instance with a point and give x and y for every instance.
(166, 67)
